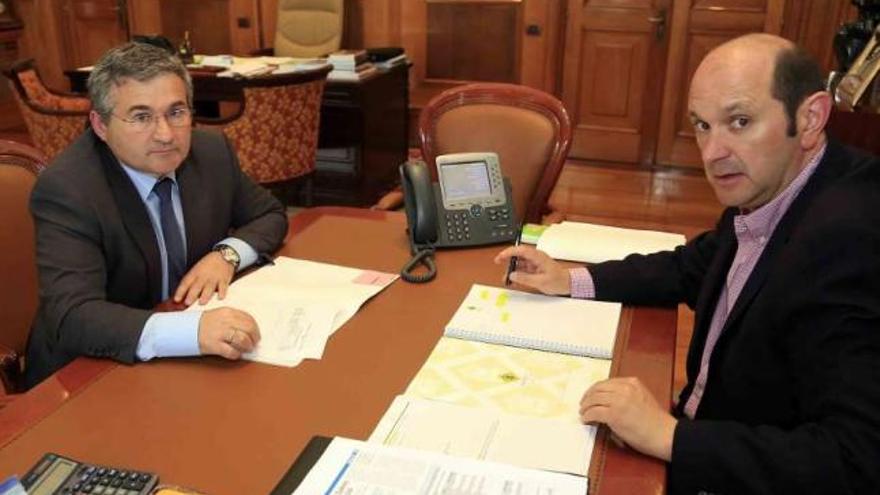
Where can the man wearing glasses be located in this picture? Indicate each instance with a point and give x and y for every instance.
(141, 209)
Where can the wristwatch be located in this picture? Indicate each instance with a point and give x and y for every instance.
(229, 254)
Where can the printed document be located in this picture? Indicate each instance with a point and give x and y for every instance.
(298, 305)
(486, 434)
(351, 467)
(590, 243)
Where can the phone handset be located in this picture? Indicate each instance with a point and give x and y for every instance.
(421, 219)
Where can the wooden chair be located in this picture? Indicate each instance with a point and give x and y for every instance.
(529, 129)
(275, 130)
(53, 119)
(19, 166)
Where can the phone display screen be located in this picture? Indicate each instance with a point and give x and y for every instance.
(463, 181)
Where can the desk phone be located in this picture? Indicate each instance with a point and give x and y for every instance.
(471, 205)
(59, 475)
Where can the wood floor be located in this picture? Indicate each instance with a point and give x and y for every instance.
(668, 200)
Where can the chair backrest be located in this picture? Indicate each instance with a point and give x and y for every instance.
(275, 131)
(529, 129)
(53, 119)
(308, 28)
(19, 166)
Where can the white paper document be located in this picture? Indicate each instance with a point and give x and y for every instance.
(590, 243)
(351, 467)
(486, 434)
(298, 305)
(535, 321)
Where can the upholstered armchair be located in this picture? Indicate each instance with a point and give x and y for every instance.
(307, 28)
(19, 166)
(53, 119)
(529, 129)
(275, 130)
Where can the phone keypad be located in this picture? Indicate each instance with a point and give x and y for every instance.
(458, 226)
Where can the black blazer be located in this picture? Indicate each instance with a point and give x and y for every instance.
(792, 399)
(97, 254)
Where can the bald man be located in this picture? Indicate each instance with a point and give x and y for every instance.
(783, 392)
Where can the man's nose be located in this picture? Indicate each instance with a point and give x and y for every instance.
(163, 131)
(713, 147)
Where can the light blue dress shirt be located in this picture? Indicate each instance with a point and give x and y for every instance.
(175, 333)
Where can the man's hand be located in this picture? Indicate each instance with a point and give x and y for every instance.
(632, 413)
(211, 274)
(535, 269)
(227, 332)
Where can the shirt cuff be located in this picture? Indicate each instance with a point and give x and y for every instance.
(170, 334)
(582, 286)
(246, 253)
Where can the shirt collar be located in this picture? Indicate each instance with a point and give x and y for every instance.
(143, 181)
(759, 223)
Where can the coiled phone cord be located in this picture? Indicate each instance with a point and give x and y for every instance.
(423, 256)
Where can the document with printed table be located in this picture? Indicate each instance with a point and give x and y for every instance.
(298, 305)
(534, 321)
(350, 467)
(590, 243)
(506, 379)
(486, 434)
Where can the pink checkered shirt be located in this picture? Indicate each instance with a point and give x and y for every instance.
(753, 231)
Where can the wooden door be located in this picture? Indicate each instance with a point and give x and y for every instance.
(612, 78)
(697, 27)
(91, 27)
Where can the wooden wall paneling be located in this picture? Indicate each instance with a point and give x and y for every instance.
(206, 21)
(610, 81)
(41, 38)
(244, 26)
(541, 54)
(813, 23)
(697, 27)
(413, 36)
(474, 41)
(144, 17)
(90, 28)
(268, 18)
(382, 21)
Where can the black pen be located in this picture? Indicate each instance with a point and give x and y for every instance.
(512, 265)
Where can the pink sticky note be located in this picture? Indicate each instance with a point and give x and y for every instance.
(370, 277)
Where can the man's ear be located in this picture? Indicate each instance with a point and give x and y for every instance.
(98, 125)
(812, 115)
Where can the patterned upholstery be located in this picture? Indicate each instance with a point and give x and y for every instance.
(275, 132)
(53, 119)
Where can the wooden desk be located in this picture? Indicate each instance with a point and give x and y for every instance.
(235, 427)
(363, 135)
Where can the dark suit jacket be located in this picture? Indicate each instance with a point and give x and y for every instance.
(97, 253)
(792, 400)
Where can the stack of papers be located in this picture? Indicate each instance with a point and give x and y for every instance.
(353, 467)
(298, 305)
(486, 434)
(589, 243)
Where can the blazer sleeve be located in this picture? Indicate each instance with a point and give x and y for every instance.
(660, 279)
(75, 316)
(829, 338)
(257, 217)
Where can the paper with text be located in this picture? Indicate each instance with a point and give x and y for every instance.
(486, 434)
(351, 467)
(298, 305)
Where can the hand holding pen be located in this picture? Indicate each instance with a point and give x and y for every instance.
(532, 268)
(511, 266)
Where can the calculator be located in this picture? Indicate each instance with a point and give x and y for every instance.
(59, 475)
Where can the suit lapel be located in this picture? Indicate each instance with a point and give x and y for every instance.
(190, 200)
(780, 238)
(134, 217)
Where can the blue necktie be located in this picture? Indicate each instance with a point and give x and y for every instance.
(171, 233)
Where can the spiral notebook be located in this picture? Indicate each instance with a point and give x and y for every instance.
(533, 321)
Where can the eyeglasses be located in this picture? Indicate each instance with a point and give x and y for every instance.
(147, 121)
